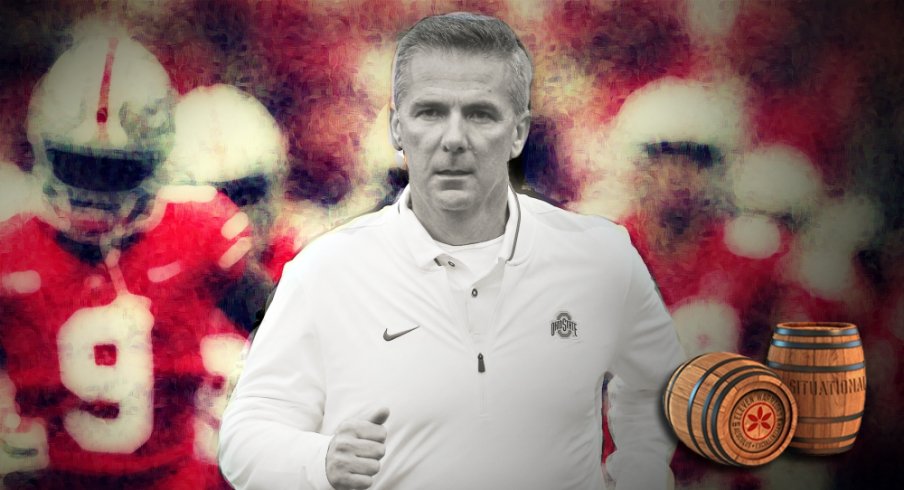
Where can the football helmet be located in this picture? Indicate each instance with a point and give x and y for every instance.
(100, 124)
(226, 138)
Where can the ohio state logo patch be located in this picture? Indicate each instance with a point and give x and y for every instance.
(563, 326)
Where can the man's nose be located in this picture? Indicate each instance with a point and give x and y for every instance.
(454, 138)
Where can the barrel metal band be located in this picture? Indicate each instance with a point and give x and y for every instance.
(726, 458)
(815, 333)
(815, 369)
(824, 440)
(668, 391)
(811, 345)
(714, 421)
(690, 399)
(822, 450)
(822, 420)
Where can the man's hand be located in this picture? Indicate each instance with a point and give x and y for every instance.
(353, 457)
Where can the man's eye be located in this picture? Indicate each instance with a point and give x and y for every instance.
(481, 116)
(428, 114)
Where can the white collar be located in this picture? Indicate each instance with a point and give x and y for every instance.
(424, 248)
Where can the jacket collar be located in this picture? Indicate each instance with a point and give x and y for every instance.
(424, 249)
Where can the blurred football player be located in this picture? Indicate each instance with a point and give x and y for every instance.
(101, 331)
(679, 137)
(227, 139)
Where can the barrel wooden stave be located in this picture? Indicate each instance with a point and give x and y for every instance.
(823, 366)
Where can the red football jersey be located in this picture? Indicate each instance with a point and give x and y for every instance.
(107, 352)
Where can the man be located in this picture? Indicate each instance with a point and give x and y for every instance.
(101, 297)
(460, 337)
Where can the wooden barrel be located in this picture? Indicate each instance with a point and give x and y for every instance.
(730, 409)
(823, 366)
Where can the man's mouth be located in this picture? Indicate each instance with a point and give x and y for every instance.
(454, 173)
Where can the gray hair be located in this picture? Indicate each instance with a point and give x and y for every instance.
(468, 33)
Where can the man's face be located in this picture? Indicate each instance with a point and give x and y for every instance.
(458, 129)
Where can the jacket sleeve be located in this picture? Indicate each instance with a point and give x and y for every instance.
(648, 353)
(269, 435)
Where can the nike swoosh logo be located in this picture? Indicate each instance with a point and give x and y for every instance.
(388, 336)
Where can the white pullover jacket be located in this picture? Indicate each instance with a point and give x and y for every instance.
(517, 406)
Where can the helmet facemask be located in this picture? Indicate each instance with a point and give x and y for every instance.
(254, 195)
(96, 196)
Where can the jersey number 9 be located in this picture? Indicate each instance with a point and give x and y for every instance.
(106, 360)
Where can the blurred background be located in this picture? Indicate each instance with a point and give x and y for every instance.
(752, 148)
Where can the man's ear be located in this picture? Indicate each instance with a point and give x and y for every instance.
(395, 137)
(522, 128)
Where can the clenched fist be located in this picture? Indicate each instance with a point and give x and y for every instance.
(353, 457)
